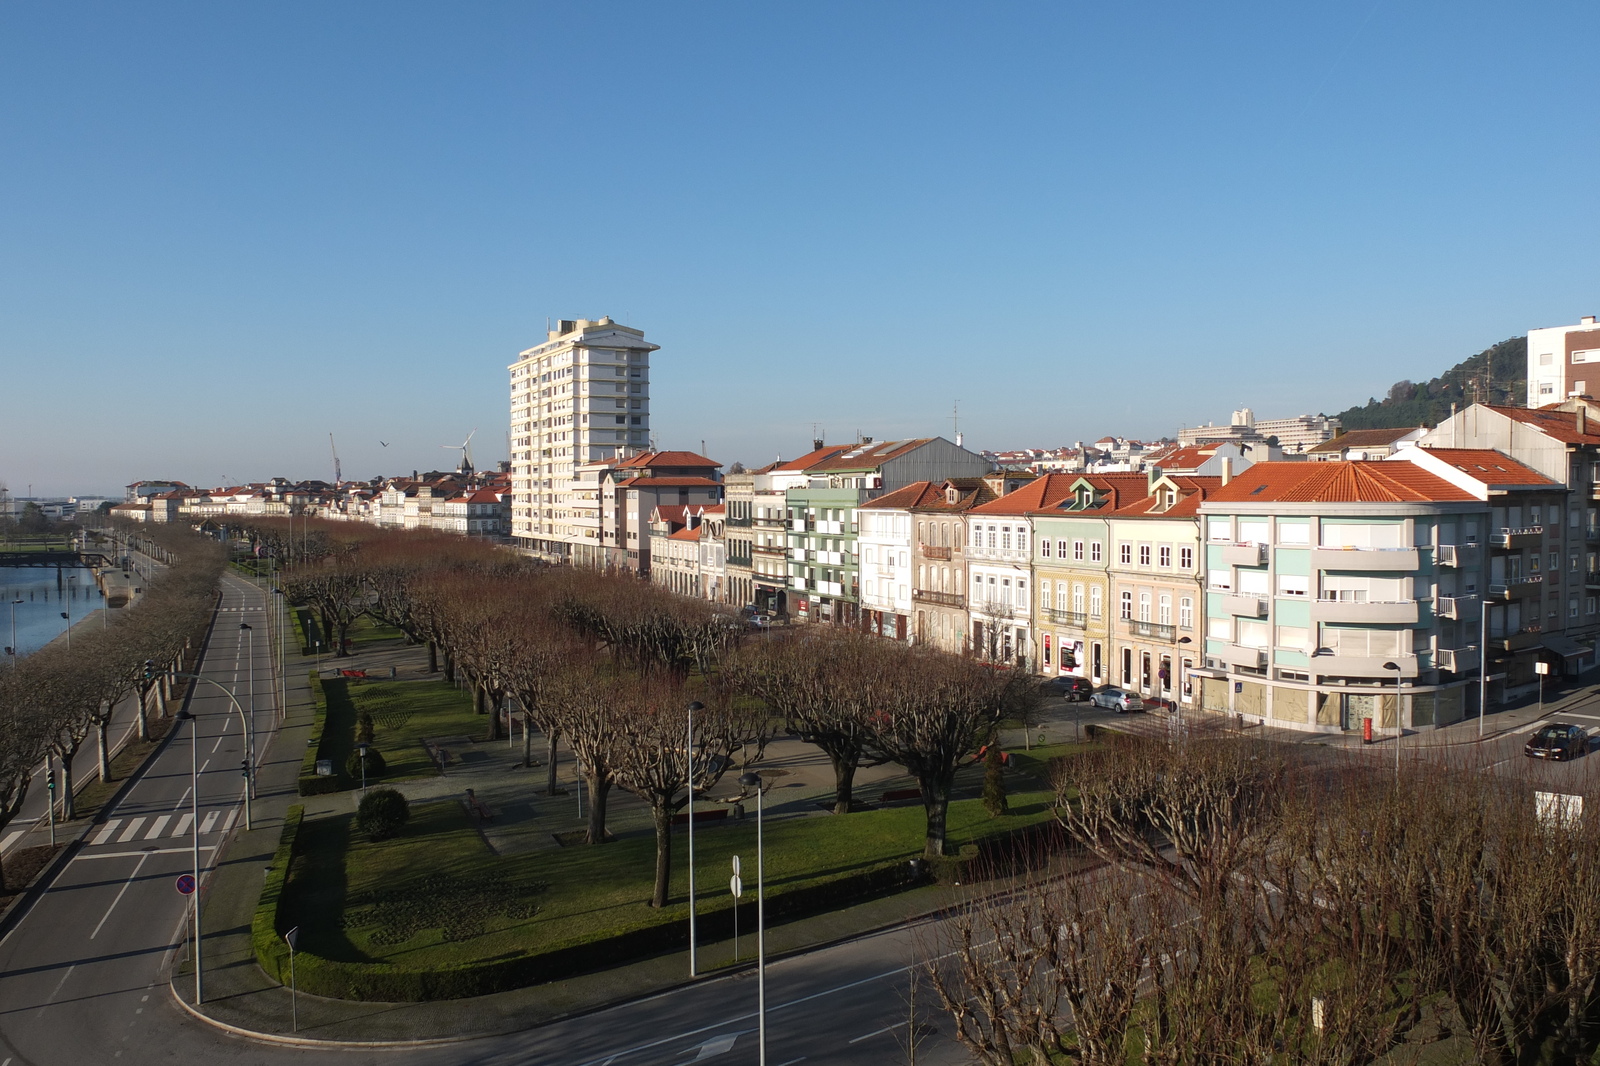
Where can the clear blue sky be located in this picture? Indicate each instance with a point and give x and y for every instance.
(228, 229)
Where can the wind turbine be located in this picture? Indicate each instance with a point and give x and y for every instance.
(465, 448)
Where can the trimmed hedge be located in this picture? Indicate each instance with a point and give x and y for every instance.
(1020, 849)
(330, 737)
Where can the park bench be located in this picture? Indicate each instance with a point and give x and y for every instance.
(476, 807)
(713, 815)
(901, 794)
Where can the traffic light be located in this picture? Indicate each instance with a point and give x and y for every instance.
(51, 783)
(149, 669)
(245, 767)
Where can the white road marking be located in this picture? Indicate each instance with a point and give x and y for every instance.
(791, 1062)
(227, 826)
(143, 855)
(203, 766)
(183, 824)
(132, 831)
(717, 1045)
(57, 992)
(211, 820)
(877, 1032)
(136, 854)
(105, 834)
(11, 838)
(157, 826)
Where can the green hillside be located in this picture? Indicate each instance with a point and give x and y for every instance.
(1411, 404)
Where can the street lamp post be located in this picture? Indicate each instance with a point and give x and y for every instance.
(754, 781)
(1483, 664)
(695, 706)
(1399, 724)
(14, 633)
(194, 810)
(249, 736)
(250, 755)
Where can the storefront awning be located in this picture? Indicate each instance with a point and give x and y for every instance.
(1566, 647)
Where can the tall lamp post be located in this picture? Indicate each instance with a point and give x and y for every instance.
(250, 754)
(14, 633)
(194, 810)
(754, 781)
(1399, 724)
(1483, 664)
(249, 736)
(695, 706)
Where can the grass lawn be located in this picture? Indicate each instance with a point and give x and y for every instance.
(368, 630)
(403, 714)
(436, 895)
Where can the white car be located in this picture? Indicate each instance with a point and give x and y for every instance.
(1117, 699)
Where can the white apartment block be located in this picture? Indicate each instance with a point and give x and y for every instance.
(884, 547)
(581, 397)
(1563, 361)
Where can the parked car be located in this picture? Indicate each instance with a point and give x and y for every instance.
(1117, 699)
(1559, 741)
(1072, 688)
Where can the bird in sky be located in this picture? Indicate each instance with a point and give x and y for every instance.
(384, 443)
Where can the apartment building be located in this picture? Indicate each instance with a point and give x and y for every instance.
(823, 563)
(580, 397)
(938, 593)
(999, 553)
(1154, 574)
(1365, 444)
(635, 486)
(885, 545)
(674, 537)
(1562, 362)
(757, 525)
(1342, 592)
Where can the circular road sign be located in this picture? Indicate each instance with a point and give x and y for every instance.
(736, 886)
(185, 884)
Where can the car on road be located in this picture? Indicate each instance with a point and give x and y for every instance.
(1073, 688)
(1117, 699)
(1558, 741)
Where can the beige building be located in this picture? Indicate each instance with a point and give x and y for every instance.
(581, 397)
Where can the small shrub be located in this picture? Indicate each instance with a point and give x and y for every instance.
(382, 812)
(375, 765)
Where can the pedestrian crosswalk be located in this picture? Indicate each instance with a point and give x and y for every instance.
(125, 830)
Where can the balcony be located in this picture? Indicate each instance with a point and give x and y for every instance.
(1152, 630)
(1513, 587)
(1330, 662)
(1452, 555)
(1244, 605)
(1459, 608)
(1370, 612)
(1514, 539)
(1379, 559)
(1458, 660)
(1244, 555)
(1592, 579)
(1527, 637)
(942, 599)
(930, 552)
(1075, 619)
(1239, 655)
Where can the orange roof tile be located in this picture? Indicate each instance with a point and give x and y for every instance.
(868, 456)
(1365, 481)
(916, 494)
(648, 459)
(1489, 466)
(806, 461)
(1038, 494)
(1561, 425)
(1360, 438)
(687, 533)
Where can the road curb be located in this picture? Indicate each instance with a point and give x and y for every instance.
(309, 1042)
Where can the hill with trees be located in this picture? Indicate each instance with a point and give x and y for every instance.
(1497, 375)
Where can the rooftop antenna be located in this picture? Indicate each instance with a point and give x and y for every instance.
(955, 421)
(338, 475)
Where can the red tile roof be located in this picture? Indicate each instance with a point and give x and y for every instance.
(868, 456)
(1184, 458)
(649, 459)
(806, 461)
(671, 513)
(916, 494)
(687, 533)
(1192, 492)
(1490, 466)
(669, 482)
(1561, 425)
(1364, 481)
(1043, 492)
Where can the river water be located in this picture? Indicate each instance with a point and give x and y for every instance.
(45, 597)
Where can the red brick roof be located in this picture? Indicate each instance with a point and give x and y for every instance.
(1192, 492)
(649, 459)
(1490, 466)
(670, 513)
(1043, 492)
(1365, 481)
(1561, 425)
(687, 533)
(916, 494)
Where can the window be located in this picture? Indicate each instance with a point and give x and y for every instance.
(1293, 585)
(1077, 598)
(1252, 633)
(1094, 551)
(1044, 549)
(1077, 550)
(1022, 539)
(1294, 638)
(1164, 555)
(1219, 628)
(1555, 561)
(1044, 592)
(1186, 612)
(1095, 609)
(1219, 579)
(977, 536)
(1061, 595)
(1186, 558)
(1125, 553)
(1005, 537)
(1572, 606)
(1144, 605)
(1127, 605)
(1253, 531)
(991, 536)
(1165, 614)
(1298, 533)
(1144, 555)
(1219, 529)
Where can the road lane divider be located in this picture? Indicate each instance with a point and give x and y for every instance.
(104, 836)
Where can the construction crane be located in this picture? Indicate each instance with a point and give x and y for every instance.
(338, 475)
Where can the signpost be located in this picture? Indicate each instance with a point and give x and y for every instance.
(736, 886)
(1541, 668)
(185, 884)
(291, 938)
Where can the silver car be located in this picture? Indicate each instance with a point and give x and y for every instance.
(1117, 699)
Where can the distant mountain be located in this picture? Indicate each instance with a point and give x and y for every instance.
(1411, 404)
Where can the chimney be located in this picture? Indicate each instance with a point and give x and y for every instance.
(1586, 320)
(816, 444)
(1227, 470)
